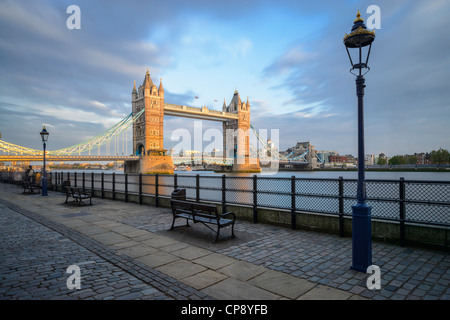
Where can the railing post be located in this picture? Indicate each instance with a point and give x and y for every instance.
(140, 188)
(224, 201)
(56, 181)
(156, 190)
(114, 186)
(103, 185)
(92, 183)
(293, 206)
(126, 187)
(83, 181)
(255, 199)
(341, 206)
(75, 179)
(68, 176)
(197, 187)
(175, 181)
(402, 211)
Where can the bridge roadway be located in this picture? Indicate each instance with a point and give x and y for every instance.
(202, 113)
(177, 160)
(66, 158)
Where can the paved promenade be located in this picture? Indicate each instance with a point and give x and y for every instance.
(125, 251)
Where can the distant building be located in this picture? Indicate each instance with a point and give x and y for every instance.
(337, 159)
(422, 158)
(350, 159)
(369, 159)
(324, 155)
(188, 153)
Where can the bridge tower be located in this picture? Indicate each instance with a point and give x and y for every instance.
(148, 130)
(236, 136)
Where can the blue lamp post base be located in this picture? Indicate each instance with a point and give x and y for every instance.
(44, 186)
(361, 237)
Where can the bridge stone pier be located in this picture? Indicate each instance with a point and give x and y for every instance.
(148, 130)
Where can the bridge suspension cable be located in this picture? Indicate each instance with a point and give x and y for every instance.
(92, 143)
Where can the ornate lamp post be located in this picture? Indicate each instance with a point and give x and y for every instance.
(359, 41)
(44, 136)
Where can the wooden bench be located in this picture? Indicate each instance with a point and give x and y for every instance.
(78, 195)
(27, 185)
(202, 213)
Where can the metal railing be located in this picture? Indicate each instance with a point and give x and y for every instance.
(403, 201)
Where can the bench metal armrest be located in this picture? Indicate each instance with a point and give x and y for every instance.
(228, 213)
(86, 192)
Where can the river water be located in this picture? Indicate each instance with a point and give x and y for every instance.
(381, 175)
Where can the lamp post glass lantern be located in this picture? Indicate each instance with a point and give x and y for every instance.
(44, 135)
(358, 44)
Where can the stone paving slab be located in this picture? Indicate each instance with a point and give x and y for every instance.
(191, 253)
(282, 284)
(137, 251)
(158, 259)
(181, 269)
(233, 289)
(241, 270)
(325, 293)
(214, 261)
(204, 279)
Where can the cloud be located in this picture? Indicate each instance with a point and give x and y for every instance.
(288, 55)
(290, 60)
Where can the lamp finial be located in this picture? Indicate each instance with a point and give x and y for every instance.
(358, 17)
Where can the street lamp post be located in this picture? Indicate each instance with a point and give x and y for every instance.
(361, 40)
(44, 136)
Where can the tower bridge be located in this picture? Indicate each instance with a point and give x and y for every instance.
(148, 99)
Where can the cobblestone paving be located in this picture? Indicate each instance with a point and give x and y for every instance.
(35, 258)
(406, 273)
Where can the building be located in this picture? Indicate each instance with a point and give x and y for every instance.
(422, 158)
(337, 159)
(189, 153)
(369, 159)
(324, 155)
(303, 152)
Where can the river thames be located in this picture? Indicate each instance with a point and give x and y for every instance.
(325, 174)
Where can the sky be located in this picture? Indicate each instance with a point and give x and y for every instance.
(287, 57)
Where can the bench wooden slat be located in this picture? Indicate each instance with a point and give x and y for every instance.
(78, 195)
(201, 213)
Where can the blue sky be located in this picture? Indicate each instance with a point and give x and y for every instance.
(286, 56)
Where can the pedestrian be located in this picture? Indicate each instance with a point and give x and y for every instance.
(30, 175)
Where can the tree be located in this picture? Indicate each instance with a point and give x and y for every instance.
(411, 159)
(440, 156)
(396, 160)
(381, 161)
